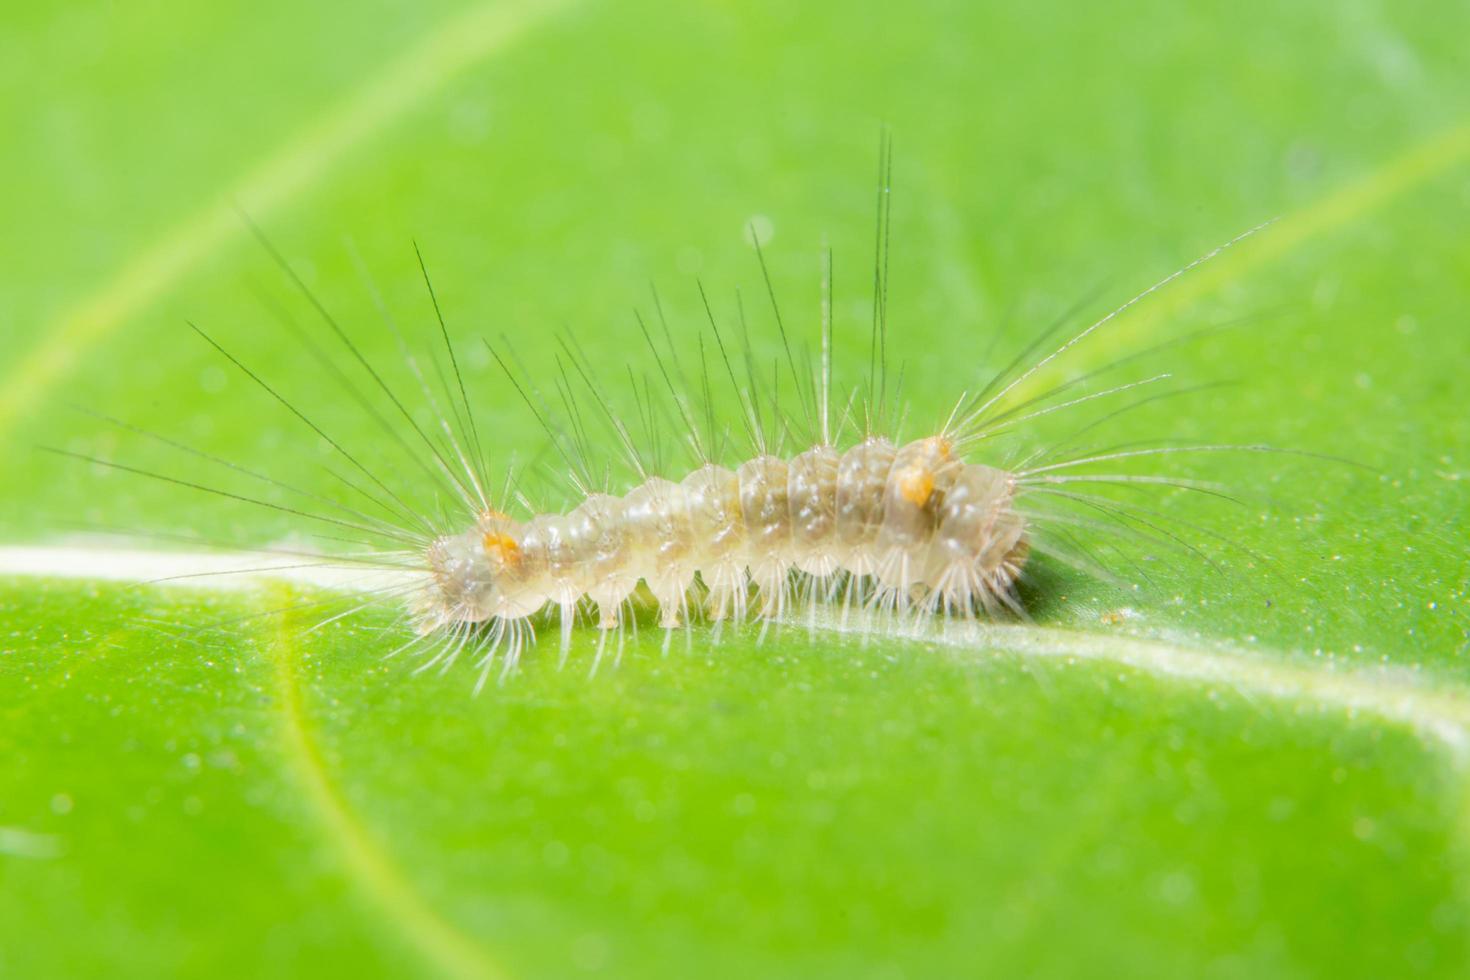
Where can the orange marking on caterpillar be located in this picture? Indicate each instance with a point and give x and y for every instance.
(501, 547)
(916, 485)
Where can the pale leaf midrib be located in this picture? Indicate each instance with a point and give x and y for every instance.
(1439, 714)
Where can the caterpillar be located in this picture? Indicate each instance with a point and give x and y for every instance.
(825, 506)
(924, 526)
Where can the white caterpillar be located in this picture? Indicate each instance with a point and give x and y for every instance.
(908, 529)
(914, 529)
(925, 527)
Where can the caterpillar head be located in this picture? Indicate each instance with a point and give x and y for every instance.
(464, 587)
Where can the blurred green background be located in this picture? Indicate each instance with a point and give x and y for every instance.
(263, 801)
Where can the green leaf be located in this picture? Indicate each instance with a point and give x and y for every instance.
(1251, 765)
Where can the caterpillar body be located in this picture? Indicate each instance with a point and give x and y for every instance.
(908, 529)
(915, 528)
(926, 528)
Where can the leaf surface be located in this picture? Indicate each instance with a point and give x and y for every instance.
(1248, 766)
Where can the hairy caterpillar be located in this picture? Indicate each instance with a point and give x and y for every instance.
(827, 505)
